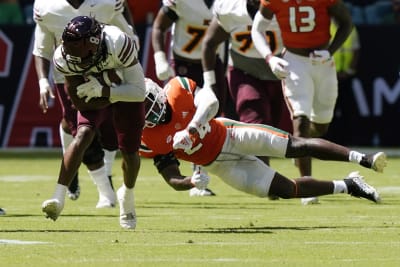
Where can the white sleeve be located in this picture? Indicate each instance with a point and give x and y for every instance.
(44, 43)
(260, 24)
(132, 89)
(206, 106)
(119, 21)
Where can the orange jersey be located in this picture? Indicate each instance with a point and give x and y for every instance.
(159, 140)
(303, 23)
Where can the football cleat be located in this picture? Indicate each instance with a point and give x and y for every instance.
(357, 187)
(377, 161)
(309, 200)
(195, 192)
(2, 211)
(74, 190)
(52, 208)
(105, 202)
(127, 214)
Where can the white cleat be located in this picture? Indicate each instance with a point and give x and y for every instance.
(309, 200)
(105, 203)
(195, 192)
(127, 214)
(52, 208)
(379, 162)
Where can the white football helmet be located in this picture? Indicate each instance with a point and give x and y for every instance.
(155, 104)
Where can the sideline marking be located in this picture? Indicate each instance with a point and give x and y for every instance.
(20, 242)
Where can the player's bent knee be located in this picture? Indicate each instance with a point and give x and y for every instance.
(94, 154)
(283, 187)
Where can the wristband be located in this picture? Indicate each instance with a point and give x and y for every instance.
(209, 78)
(43, 85)
(160, 57)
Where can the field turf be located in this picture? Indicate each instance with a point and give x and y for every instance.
(173, 229)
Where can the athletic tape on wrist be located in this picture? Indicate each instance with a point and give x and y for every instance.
(209, 78)
(43, 85)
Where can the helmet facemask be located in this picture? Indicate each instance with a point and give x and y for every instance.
(155, 104)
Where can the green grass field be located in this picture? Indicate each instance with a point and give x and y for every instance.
(173, 229)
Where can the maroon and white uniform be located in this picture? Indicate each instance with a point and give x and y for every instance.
(256, 91)
(120, 52)
(51, 18)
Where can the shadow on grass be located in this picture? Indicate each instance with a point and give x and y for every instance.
(256, 230)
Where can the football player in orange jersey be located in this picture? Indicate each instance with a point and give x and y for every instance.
(180, 124)
(307, 68)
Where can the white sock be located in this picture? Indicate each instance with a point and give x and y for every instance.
(355, 156)
(339, 187)
(102, 182)
(109, 157)
(126, 189)
(65, 137)
(60, 192)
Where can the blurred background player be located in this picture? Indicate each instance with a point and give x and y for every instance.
(256, 91)
(103, 78)
(11, 13)
(307, 67)
(226, 147)
(51, 18)
(188, 21)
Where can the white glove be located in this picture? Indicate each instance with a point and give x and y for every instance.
(202, 130)
(90, 89)
(163, 69)
(320, 57)
(45, 92)
(200, 180)
(182, 140)
(278, 66)
(45, 87)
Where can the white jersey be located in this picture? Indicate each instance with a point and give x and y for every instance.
(234, 18)
(189, 29)
(51, 17)
(120, 52)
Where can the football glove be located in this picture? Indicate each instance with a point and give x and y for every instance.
(200, 179)
(45, 92)
(320, 57)
(201, 130)
(182, 140)
(163, 69)
(278, 66)
(90, 89)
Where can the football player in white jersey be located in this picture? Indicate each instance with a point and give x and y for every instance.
(100, 60)
(188, 21)
(180, 124)
(51, 18)
(256, 91)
